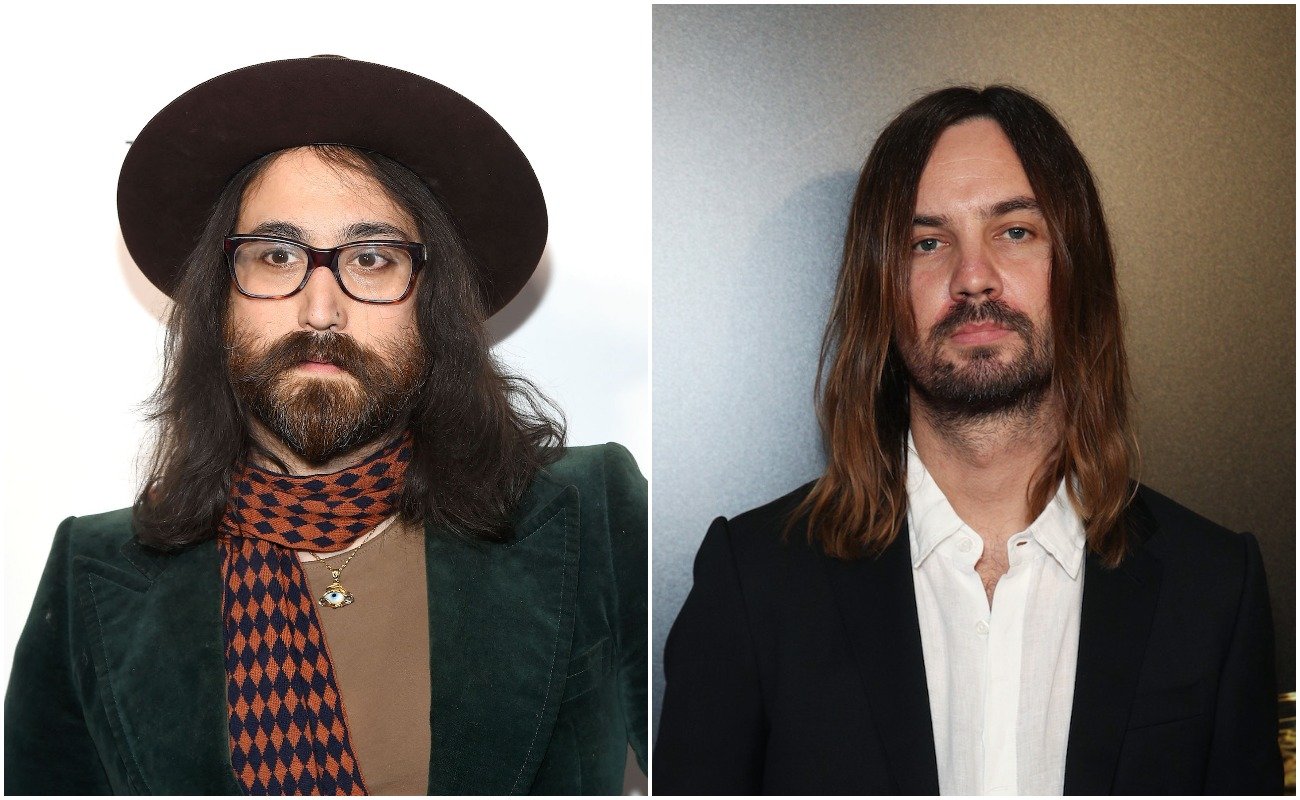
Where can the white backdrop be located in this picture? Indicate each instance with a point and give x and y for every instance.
(571, 84)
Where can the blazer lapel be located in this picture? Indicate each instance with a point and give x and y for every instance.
(1115, 622)
(877, 605)
(157, 643)
(500, 629)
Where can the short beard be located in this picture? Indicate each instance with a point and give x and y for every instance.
(319, 419)
(980, 388)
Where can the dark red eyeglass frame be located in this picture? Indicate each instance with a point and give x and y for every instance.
(328, 259)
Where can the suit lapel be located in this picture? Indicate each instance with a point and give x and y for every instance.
(157, 643)
(1118, 607)
(500, 628)
(877, 605)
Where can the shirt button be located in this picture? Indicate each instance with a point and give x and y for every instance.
(981, 627)
(964, 545)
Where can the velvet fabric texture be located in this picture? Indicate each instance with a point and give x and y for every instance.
(537, 651)
(288, 730)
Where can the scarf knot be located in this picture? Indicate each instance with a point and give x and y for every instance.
(322, 513)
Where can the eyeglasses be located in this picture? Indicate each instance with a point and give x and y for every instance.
(271, 267)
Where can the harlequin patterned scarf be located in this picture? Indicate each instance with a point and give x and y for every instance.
(288, 733)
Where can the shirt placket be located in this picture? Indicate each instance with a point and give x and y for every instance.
(973, 612)
(1005, 625)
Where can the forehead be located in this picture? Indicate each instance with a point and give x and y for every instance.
(972, 164)
(321, 197)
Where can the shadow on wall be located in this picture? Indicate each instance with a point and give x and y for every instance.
(789, 270)
(150, 298)
(796, 253)
(518, 310)
(745, 431)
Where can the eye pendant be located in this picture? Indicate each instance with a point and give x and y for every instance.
(335, 595)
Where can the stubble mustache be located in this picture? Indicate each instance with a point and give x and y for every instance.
(969, 313)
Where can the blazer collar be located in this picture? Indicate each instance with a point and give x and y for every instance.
(877, 607)
(501, 622)
(1119, 605)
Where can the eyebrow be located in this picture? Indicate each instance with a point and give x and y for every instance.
(366, 229)
(357, 230)
(273, 227)
(1020, 203)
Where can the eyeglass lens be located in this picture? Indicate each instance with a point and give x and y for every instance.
(367, 271)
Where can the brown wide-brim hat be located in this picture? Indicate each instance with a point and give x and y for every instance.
(179, 164)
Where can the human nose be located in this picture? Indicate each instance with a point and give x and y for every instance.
(975, 275)
(323, 305)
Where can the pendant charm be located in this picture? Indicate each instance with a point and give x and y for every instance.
(335, 596)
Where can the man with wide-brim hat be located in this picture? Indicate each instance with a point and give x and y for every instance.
(362, 561)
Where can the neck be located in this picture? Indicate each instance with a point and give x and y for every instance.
(984, 465)
(270, 443)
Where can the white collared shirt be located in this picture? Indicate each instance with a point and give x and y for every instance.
(1001, 681)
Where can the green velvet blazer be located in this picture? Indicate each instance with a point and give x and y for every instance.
(537, 646)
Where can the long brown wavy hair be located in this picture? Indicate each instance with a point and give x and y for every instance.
(858, 505)
(480, 434)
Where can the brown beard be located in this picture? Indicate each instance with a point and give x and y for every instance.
(980, 385)
(321, 418)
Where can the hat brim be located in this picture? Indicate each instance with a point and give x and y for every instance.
(182, 160)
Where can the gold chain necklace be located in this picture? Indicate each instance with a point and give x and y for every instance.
(335, 596)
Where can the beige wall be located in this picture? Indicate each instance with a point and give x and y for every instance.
(762, 118)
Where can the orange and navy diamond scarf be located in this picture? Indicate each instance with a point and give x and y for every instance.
(288, 733)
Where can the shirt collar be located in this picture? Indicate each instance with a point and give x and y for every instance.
(1060, 531)
(931, 519)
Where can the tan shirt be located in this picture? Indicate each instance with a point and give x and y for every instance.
(379, 646)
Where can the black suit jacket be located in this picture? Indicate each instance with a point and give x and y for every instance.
(792, 672)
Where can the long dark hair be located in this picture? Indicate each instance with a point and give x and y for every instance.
(480, 434)
(858, 505)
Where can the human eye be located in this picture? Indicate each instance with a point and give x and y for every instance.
(279, 256)
(1018, 234)
(374, 258)
(926, 245)
(271, 255)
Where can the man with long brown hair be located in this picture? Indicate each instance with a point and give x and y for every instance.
(363, 560)
(975, 597)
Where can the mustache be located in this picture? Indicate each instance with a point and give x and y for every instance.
(294, 348)
(968, 313)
